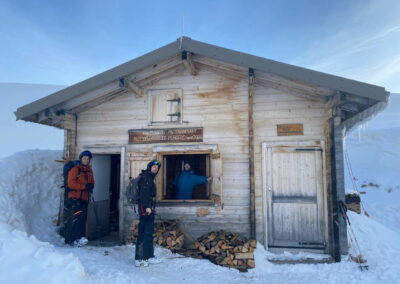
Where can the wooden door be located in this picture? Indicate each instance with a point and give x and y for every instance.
(294, 184)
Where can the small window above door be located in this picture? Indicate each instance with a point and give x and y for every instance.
(165, 106)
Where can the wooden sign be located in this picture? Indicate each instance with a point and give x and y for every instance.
(290, 129)
(148, 136)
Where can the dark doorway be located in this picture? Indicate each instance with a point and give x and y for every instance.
(103, 215)
(114, 192)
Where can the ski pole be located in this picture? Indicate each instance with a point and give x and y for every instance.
(96, 217)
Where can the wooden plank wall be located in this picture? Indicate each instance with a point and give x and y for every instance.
(213, 100)
(274, 106)
(217, 100)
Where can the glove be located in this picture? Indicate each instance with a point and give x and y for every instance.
(89, 187)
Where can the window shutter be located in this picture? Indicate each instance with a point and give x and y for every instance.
(216, 160)
(165, 106)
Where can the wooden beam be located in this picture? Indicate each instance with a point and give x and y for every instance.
(131, 87)
(350, 107)
(98, 101)
(227, 73)
(48, 113)
(291, 90)
(187, 61)
(251, 154)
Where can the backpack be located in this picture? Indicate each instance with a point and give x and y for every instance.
(67, 211)
(133, 190)
(67, 167)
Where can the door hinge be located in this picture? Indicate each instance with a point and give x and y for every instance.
(308, 149)
(175, 100)
(323, 244)
(178, 114)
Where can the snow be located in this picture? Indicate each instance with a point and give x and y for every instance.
(374, 152)
(32, 252)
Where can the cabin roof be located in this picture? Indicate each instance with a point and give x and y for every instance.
(257, 63)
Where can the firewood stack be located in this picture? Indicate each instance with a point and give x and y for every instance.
(353, 202)
(222, 248)
(227, 249)
(166, 234)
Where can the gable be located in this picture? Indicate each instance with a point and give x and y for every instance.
(186, 53)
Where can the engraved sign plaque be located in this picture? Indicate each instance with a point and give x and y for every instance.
(290, 129)
(168, 135)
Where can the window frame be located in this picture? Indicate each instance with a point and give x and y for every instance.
(161, 181)
(150, 94)
(163, 185)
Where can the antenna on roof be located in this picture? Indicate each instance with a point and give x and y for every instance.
(182, 31)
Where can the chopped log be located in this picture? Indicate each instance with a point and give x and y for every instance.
(253, 243)
(212, 237)
(244, 256)
(251, 263)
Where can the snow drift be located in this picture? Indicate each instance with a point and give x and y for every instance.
(29, 197)
(32, 252)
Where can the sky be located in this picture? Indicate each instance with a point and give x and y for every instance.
(65, 42)
(47, 44)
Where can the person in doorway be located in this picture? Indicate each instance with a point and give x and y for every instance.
(186, 180)
(144, 253)
(80, 186)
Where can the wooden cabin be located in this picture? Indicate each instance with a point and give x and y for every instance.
(269, 133)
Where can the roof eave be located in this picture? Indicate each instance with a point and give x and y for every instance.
(98, 80)
(286, 70)
(223, 54)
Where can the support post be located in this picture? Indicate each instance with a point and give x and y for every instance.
(70, 127)
(339, 243)
(187, 61)
(251, 154)
(127, 84)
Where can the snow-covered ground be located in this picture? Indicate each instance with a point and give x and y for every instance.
(32, 252)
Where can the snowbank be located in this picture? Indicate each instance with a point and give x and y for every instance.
(374, 157)
(29, 197)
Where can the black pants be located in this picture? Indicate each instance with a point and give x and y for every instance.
(75, 220)
(144, 243)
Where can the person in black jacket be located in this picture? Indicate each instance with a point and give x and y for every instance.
(144, 253)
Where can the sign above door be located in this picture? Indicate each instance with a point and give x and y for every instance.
(165, 135)
(290, 129)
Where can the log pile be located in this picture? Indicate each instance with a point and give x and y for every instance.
(220, 247)
(166, 234)
(353, 202)
(227, 249)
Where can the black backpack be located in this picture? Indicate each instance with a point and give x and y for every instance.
(133, 190)
(67, 211)
(67, 167)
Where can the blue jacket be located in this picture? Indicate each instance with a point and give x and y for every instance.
(185, 182)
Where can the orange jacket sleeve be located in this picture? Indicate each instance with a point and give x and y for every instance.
(73, 182)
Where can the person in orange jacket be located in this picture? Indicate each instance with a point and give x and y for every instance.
(80, 185)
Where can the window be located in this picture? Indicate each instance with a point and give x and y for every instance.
(165, 106)
(173, 166)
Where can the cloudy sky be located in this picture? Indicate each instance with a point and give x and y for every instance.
(64, 42)
(59, 43)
